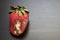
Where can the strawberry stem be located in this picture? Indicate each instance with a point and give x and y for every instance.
(22, 11)
(20, 14)
(12, 7)
(26, 10)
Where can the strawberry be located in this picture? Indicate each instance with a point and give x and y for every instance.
(18, 15)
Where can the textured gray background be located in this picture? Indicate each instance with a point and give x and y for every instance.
(44, 19)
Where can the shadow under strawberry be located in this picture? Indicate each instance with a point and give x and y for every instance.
(24, 34)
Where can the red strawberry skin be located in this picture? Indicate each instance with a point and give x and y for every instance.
(22, 27)
(21, 18)
(26, 16)
(13, 17)
(12, 28)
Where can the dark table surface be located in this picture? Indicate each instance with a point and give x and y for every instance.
(44, 19)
